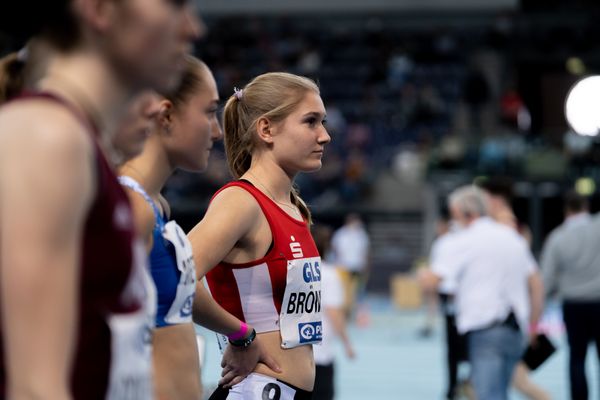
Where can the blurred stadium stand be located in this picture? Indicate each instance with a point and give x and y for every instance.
(422, 96)
(419, 103)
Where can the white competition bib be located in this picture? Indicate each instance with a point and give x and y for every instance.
(300, 318)
(258, 386)
(181, 308)
(131, 337)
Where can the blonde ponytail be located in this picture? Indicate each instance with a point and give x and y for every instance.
(273, 95)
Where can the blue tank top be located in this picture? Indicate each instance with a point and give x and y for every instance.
(171, 265)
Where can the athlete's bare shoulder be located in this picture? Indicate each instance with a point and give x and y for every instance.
(38, 124)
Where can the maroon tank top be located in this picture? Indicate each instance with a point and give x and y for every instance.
(107, 260)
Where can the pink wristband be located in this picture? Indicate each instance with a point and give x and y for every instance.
(534, 328)
(239, 334)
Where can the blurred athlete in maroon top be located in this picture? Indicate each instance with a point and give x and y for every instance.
(74, 303)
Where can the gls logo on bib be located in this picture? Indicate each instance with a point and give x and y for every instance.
(310, 332)
(311, 272)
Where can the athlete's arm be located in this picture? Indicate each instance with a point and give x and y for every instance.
(536, 298)
(237, 362)
(46, 187)
(229, 220)
(428, 280)
(230, 217)
(550, 265)
(338, 322)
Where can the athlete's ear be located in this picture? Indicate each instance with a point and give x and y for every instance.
(97, 14)
(264, 128)
(165, 116)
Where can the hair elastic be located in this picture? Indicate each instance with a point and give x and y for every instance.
(23, 54)
(238, 93)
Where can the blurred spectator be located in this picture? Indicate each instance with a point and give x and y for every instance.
(309, 62)
(429, 107)
(407, 164)
(513, 110)
(493, 155)
(476, 95)
(451, 152)
(336, 121)
(334, 321)
(407, 105)
(571, 269)
(355, 177)
(358, 136)
(350, 250)
(441, 248)
(497, 297)
(499, 195)
(400, 67)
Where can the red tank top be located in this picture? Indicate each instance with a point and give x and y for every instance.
(254, 291)
(106, 288)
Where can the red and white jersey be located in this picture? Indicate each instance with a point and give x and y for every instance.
(254, 291)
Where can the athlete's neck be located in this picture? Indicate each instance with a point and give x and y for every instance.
(86, 80)
(271, 178)
(151, 168)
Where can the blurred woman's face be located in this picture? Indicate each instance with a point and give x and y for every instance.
(196, 127)
(148, 39)
(137, 124)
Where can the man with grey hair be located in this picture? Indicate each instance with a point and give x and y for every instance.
(497, 292)
(469, 201)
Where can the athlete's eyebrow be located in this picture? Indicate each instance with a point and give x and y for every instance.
(315, 114)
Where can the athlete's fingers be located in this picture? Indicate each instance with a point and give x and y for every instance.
(227, 359)
(270, 362)
(226, 370)
(236, 380)
(226, 380)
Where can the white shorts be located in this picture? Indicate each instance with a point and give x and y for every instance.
(261, 387)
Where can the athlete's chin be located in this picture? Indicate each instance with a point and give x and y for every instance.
(313, 167)
(198, 166)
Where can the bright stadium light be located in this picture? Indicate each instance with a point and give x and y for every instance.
(585, 186)
(582, 107)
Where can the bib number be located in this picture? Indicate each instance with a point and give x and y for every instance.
(181, 309)
(271, 392)
(131, 337)
(300, 318)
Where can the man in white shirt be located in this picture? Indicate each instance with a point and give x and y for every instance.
(497, 296)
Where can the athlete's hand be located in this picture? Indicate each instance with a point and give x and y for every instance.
(238, 362)
(350, 351)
